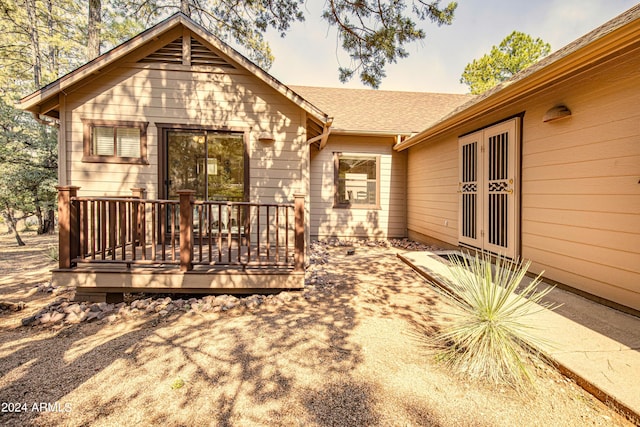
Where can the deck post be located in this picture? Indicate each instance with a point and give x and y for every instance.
(186, 229)
(138, 193)
(299, 232)
(68, 226)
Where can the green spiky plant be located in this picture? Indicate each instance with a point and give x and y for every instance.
(52, 253)
(490, 336)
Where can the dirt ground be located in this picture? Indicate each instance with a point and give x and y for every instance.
(345, 353)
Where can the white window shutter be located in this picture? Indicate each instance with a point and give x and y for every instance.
(128, 142)
(103, 141)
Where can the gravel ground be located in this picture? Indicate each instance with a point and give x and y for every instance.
(345, 351)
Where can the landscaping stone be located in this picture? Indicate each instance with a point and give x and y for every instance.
(73, 317)
(253, 301)
(51, 317)
(94, 316)
(45, 318)
(46, 288)
(317, 280)
(27, 321)
(228, 306)
(73, 308)
(10, 306)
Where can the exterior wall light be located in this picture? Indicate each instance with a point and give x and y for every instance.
(556, 113)
(266, 138)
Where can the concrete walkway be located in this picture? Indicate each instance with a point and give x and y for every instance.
(597, 346)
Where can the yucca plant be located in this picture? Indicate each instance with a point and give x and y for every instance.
(490, 336)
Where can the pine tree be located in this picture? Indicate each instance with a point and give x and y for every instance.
(515, 53)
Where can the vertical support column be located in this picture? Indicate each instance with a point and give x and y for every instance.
(113, 221)
(139, 192)
(186, 229)
(138, 229)
(68, 226)
(62, 139)
(298, 257)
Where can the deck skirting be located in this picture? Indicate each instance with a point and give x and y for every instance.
(154, 280)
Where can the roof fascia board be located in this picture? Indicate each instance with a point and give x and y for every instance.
(381, 133)
(97, 64)
(265, 77)
(561, 69)
(30, 101)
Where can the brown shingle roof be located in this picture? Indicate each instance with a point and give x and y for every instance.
(378, 110)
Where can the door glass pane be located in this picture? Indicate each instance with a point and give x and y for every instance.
(468, 188)
(225, 166)
(186, 162)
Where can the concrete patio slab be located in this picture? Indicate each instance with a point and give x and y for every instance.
(597, 346)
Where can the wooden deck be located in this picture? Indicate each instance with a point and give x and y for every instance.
(110, 246)
(109, 284)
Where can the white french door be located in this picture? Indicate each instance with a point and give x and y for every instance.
(488, 208)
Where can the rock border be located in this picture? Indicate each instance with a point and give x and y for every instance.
(64, 311)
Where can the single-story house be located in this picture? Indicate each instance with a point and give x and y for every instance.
(185, 166)
(545, 166)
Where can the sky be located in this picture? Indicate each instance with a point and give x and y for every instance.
(310, 56)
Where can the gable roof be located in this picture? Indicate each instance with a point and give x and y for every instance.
(48, 94)
(615, 36)
(379, 111)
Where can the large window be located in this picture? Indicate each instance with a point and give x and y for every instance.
(115, 141)
(357, 180)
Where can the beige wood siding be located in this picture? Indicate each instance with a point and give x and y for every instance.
(388, 221)
(580, 190)
(160, 94)
(580, 181)
(432, 181)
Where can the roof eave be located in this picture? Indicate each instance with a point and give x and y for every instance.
(258, 72)
(32, 101)
(95, 65)
(381, 133)
(563, 68)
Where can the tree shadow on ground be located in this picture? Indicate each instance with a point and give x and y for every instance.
(287, 364)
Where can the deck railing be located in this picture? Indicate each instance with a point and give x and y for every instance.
(183, 233)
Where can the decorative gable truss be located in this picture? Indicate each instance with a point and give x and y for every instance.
(187, 50)
(176, 43)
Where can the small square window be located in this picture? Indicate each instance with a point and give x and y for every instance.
(115, 142)
(357, 181)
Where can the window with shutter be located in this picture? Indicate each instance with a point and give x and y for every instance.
(128, 142)
(115, 141)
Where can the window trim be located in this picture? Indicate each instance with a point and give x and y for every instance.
(88, 157)
(336, 172)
